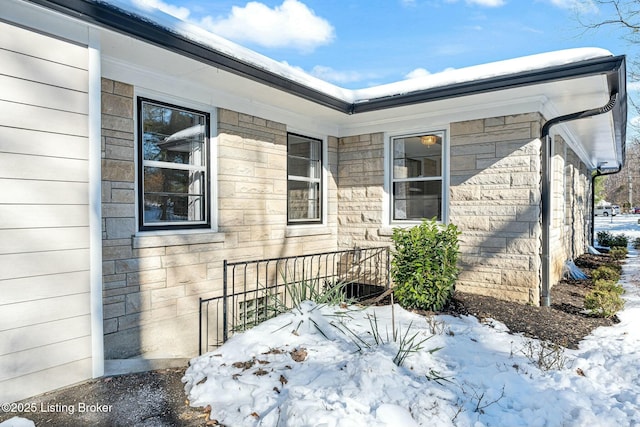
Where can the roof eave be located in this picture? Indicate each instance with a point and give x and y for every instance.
(608, 66)
(115, 19)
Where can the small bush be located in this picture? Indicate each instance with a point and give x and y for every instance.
(605, 238)
(424, 266)
(605, 272)
(636, 243)
(618, 253)
(609, 286)
(545, 355)
(605, 299)
(602, 303)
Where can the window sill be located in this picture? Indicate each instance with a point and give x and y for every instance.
(307, 230)
(154, 239)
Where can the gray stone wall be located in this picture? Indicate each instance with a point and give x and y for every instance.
(152, 281)
(495, 201)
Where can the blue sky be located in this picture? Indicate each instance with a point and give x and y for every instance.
(361, 43)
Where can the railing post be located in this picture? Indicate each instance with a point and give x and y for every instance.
(225, 305)
(200, 327)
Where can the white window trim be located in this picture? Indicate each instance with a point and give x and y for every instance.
(317, 228)
(213, 159)
(387, 199)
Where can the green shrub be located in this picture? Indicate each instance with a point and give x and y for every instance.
(609, 286)
(605, 272)
(636, 243)
(619, 241)
(618, 253)
(424, 265)
(605, 238)
(605, 299)
(603, 303)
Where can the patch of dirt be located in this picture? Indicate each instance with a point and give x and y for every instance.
(563, 323)
(154, 398)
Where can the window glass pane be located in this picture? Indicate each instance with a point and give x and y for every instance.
(159, 208)
(417, 156)
(304, 200)
(173, 135)
(173, 195)
(416, 200)
(303, 157)
(304, 185)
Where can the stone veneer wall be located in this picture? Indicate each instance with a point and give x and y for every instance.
(151, 282)
(494, 198)
(361, 191)
(571, 223)
(495, 201)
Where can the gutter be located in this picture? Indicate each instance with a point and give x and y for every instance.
(546, 187)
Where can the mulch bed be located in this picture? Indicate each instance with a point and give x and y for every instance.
(564, 323)
(157, 398)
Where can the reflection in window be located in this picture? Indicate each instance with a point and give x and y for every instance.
(174, 173)
(304, 183)
(417, 177)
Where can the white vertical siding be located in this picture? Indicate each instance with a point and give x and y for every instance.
(45, 318)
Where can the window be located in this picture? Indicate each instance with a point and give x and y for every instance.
(304, 182)
(417, 177)
(174, 166)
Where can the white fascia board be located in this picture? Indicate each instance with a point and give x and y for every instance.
(439, 114)
(171, 86)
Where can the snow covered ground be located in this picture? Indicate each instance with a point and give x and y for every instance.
(321, 366)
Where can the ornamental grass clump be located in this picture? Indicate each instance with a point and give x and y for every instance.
(424, 267)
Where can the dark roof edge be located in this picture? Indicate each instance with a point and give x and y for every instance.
(608, 65)
(116, 19)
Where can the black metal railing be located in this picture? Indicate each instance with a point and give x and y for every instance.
(254, 291)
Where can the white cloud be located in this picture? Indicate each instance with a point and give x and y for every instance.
(292, 24)
(178, 12)
(335, 76)
(408, 3)
(417, 73)
(583, 6)
(487, 3)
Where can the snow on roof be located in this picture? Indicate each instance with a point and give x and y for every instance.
(210, 40)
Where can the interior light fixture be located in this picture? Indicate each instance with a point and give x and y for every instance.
(429, 140)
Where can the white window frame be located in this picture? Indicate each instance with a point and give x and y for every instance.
(388, 211)
(321, 181)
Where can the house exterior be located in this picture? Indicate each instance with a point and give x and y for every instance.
(136, 157)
